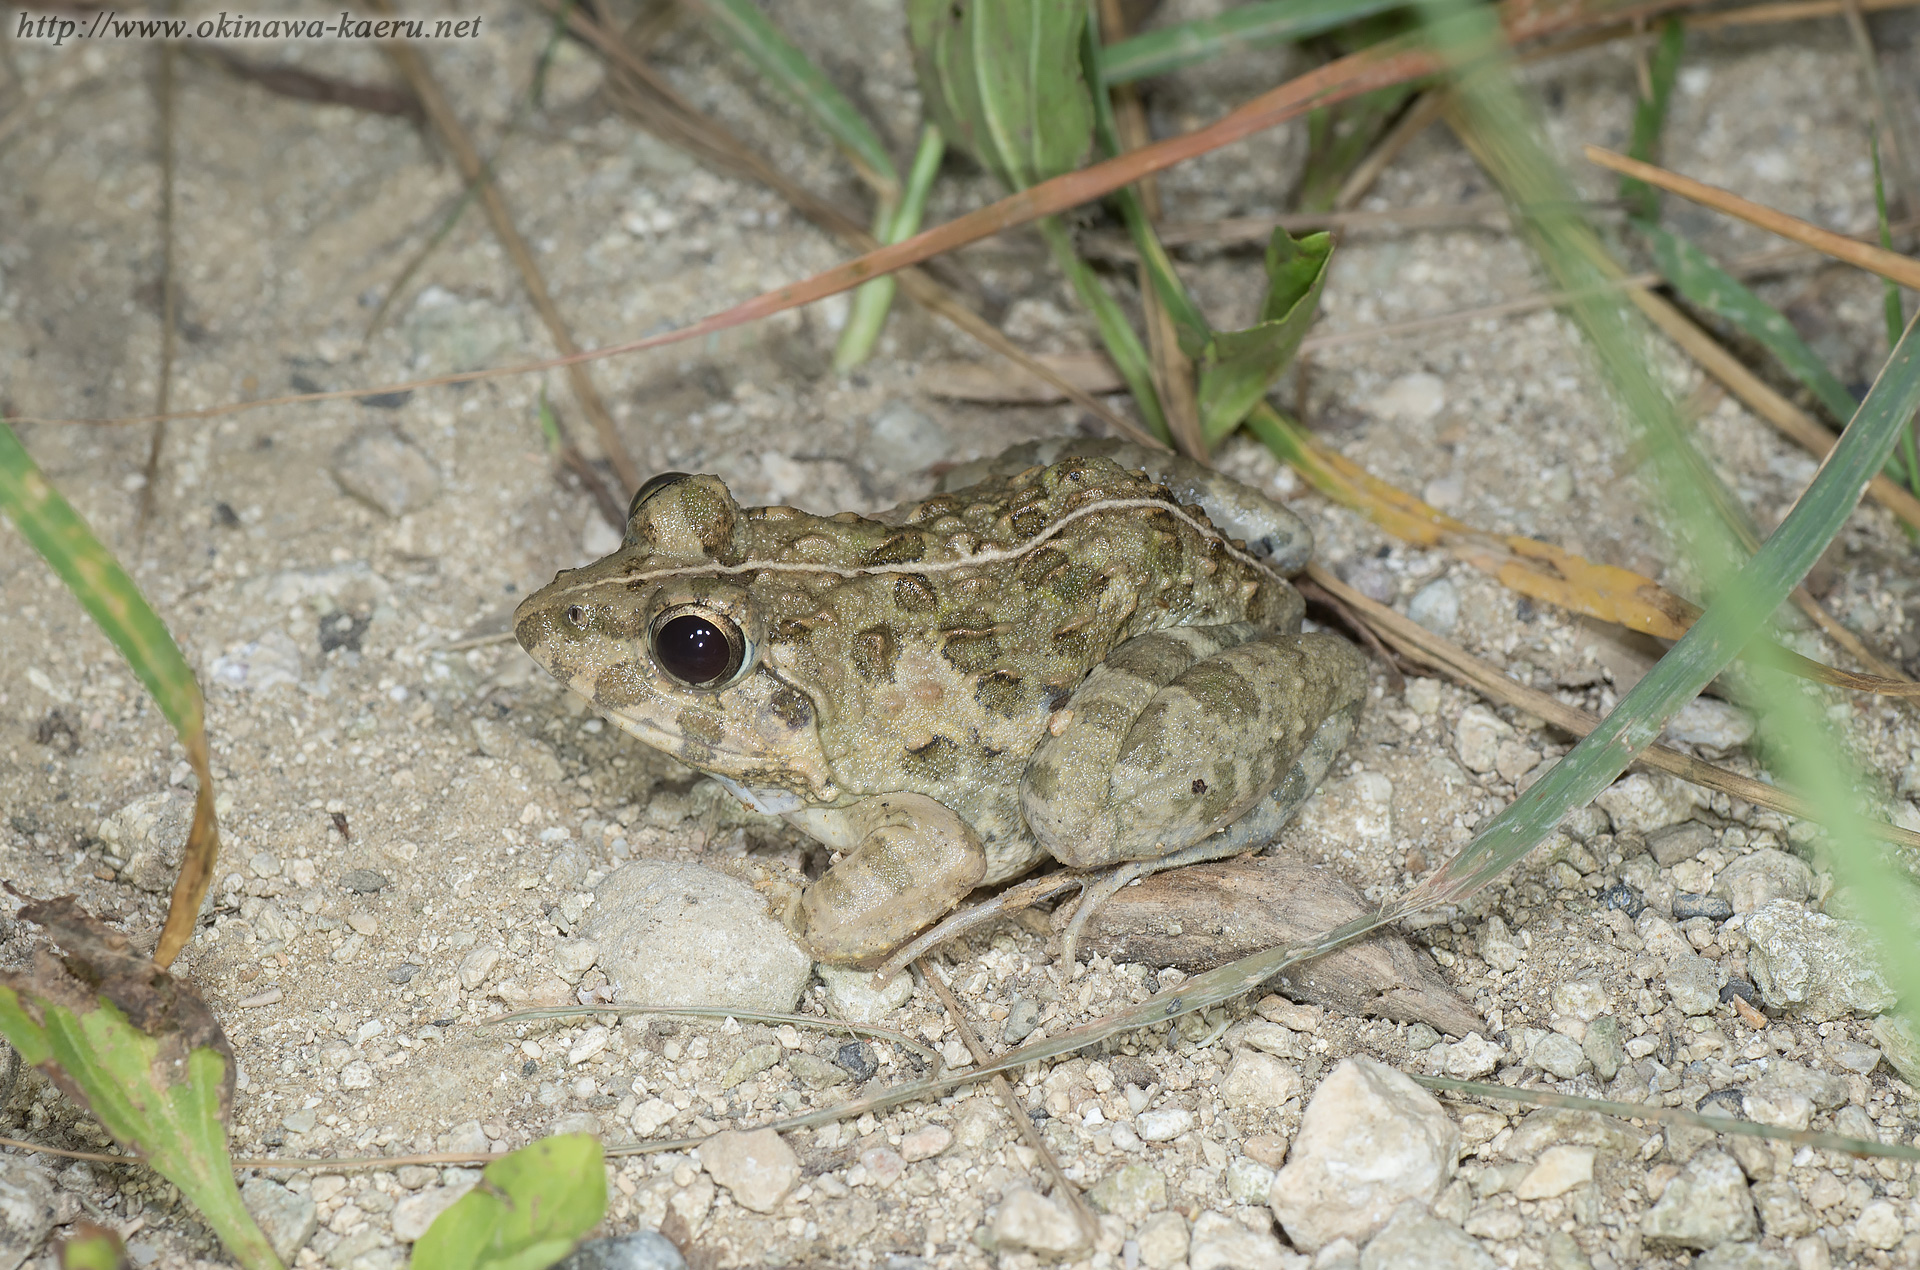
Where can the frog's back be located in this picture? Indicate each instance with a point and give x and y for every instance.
(939, 639)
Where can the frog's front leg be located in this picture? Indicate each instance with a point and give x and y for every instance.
(909, 859)
(1188, 745)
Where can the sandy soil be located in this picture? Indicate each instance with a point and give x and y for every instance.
(347, 737)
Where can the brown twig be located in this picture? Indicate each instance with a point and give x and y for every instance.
(1409, 636)
(1426, 108)
(1089, 1225)
(447, 123)
(300, 85)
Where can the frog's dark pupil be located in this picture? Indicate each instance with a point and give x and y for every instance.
(693, 649)
(653, 486)
(576, 616)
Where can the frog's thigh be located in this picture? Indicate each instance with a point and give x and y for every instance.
(911, 859)
(1196, 752)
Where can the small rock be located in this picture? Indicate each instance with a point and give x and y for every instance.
(1471, 1058)
(1436, 606)
(1022, 1017)
(1853, 1056)
(1693, 983)
(857, 1058)
(1163, 1124)
(1412, 398)
(852, 996)
(1710, 724)
(1249, 1181)
(364, 881)
(574, 957)
(1369, 1139)
(1163, 1241)
(1030, 1222)
(1551, 1125)
(1370, 577)
(815, 1072)
(1687, 906)
(902, 438)
(1824, 1091)
(1619, 895)
(1642, 802)
(679, 934)
(383, 469)
(357, 1075)
(1707, 1204)
(1740, 1256)
(651, 1116)
(925, 1142)
(751, 1064)
(1132, 1190)
(1558, 1055)
(1258, 1080)
(1583, 999)
(1878, 1225)
(476, 966)
(148, 834)
(591, 1042)
(1604, 1047)
(637, 1250)
(1783, 1214)
(1413, 1239)
(26, 1208)
(1497, 946)
(1754, 881)
(759, 1168)
(412, 1215)
(1221, 1243)
(1558, 1171)
(1817, 967)
(1421, 1036)
(883, 1165)
(1478, 735)
(1679, 842)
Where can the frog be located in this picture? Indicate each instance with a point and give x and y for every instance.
(1081, 651)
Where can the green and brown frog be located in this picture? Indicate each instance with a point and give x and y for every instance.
(1083, 650)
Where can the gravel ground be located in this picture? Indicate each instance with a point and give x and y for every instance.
(420, 837)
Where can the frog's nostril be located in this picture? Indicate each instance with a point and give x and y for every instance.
(576, 616)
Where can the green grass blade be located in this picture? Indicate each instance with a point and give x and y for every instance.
(1702, 282)
(1122, 342)
(1890, 300)
(1240, 366)
(754, 36)
(868, 313)
(531, 1208)
(51, 526)
(1249, 26)
(1650, 119)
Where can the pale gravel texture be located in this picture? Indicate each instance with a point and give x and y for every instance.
(346, 738)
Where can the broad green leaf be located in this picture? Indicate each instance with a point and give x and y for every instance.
(1261, 25)
(1697, 277)
(1003, 80)
(1238, 367)
(531, 1208)
(139, 1049)
(750, 32)
(1650, 118)
(51, 526)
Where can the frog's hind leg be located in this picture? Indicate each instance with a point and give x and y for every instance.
(1173, 753)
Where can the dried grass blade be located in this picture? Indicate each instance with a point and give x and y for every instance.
(1887, 264)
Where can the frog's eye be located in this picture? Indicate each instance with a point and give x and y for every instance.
(576, 617)
(653, 486)
(697, 646)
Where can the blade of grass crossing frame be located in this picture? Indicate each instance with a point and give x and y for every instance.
(1260, 25)
(1650, 119)
(49, 523)
(748, 31)
(868, 312)
(1890, 298)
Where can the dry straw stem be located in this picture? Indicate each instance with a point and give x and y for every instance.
(474, 170)
(1417, 641)
(1888, 264)
(1089, 1224)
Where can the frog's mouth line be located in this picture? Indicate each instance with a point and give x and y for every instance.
(996, 555)
(732, 767)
